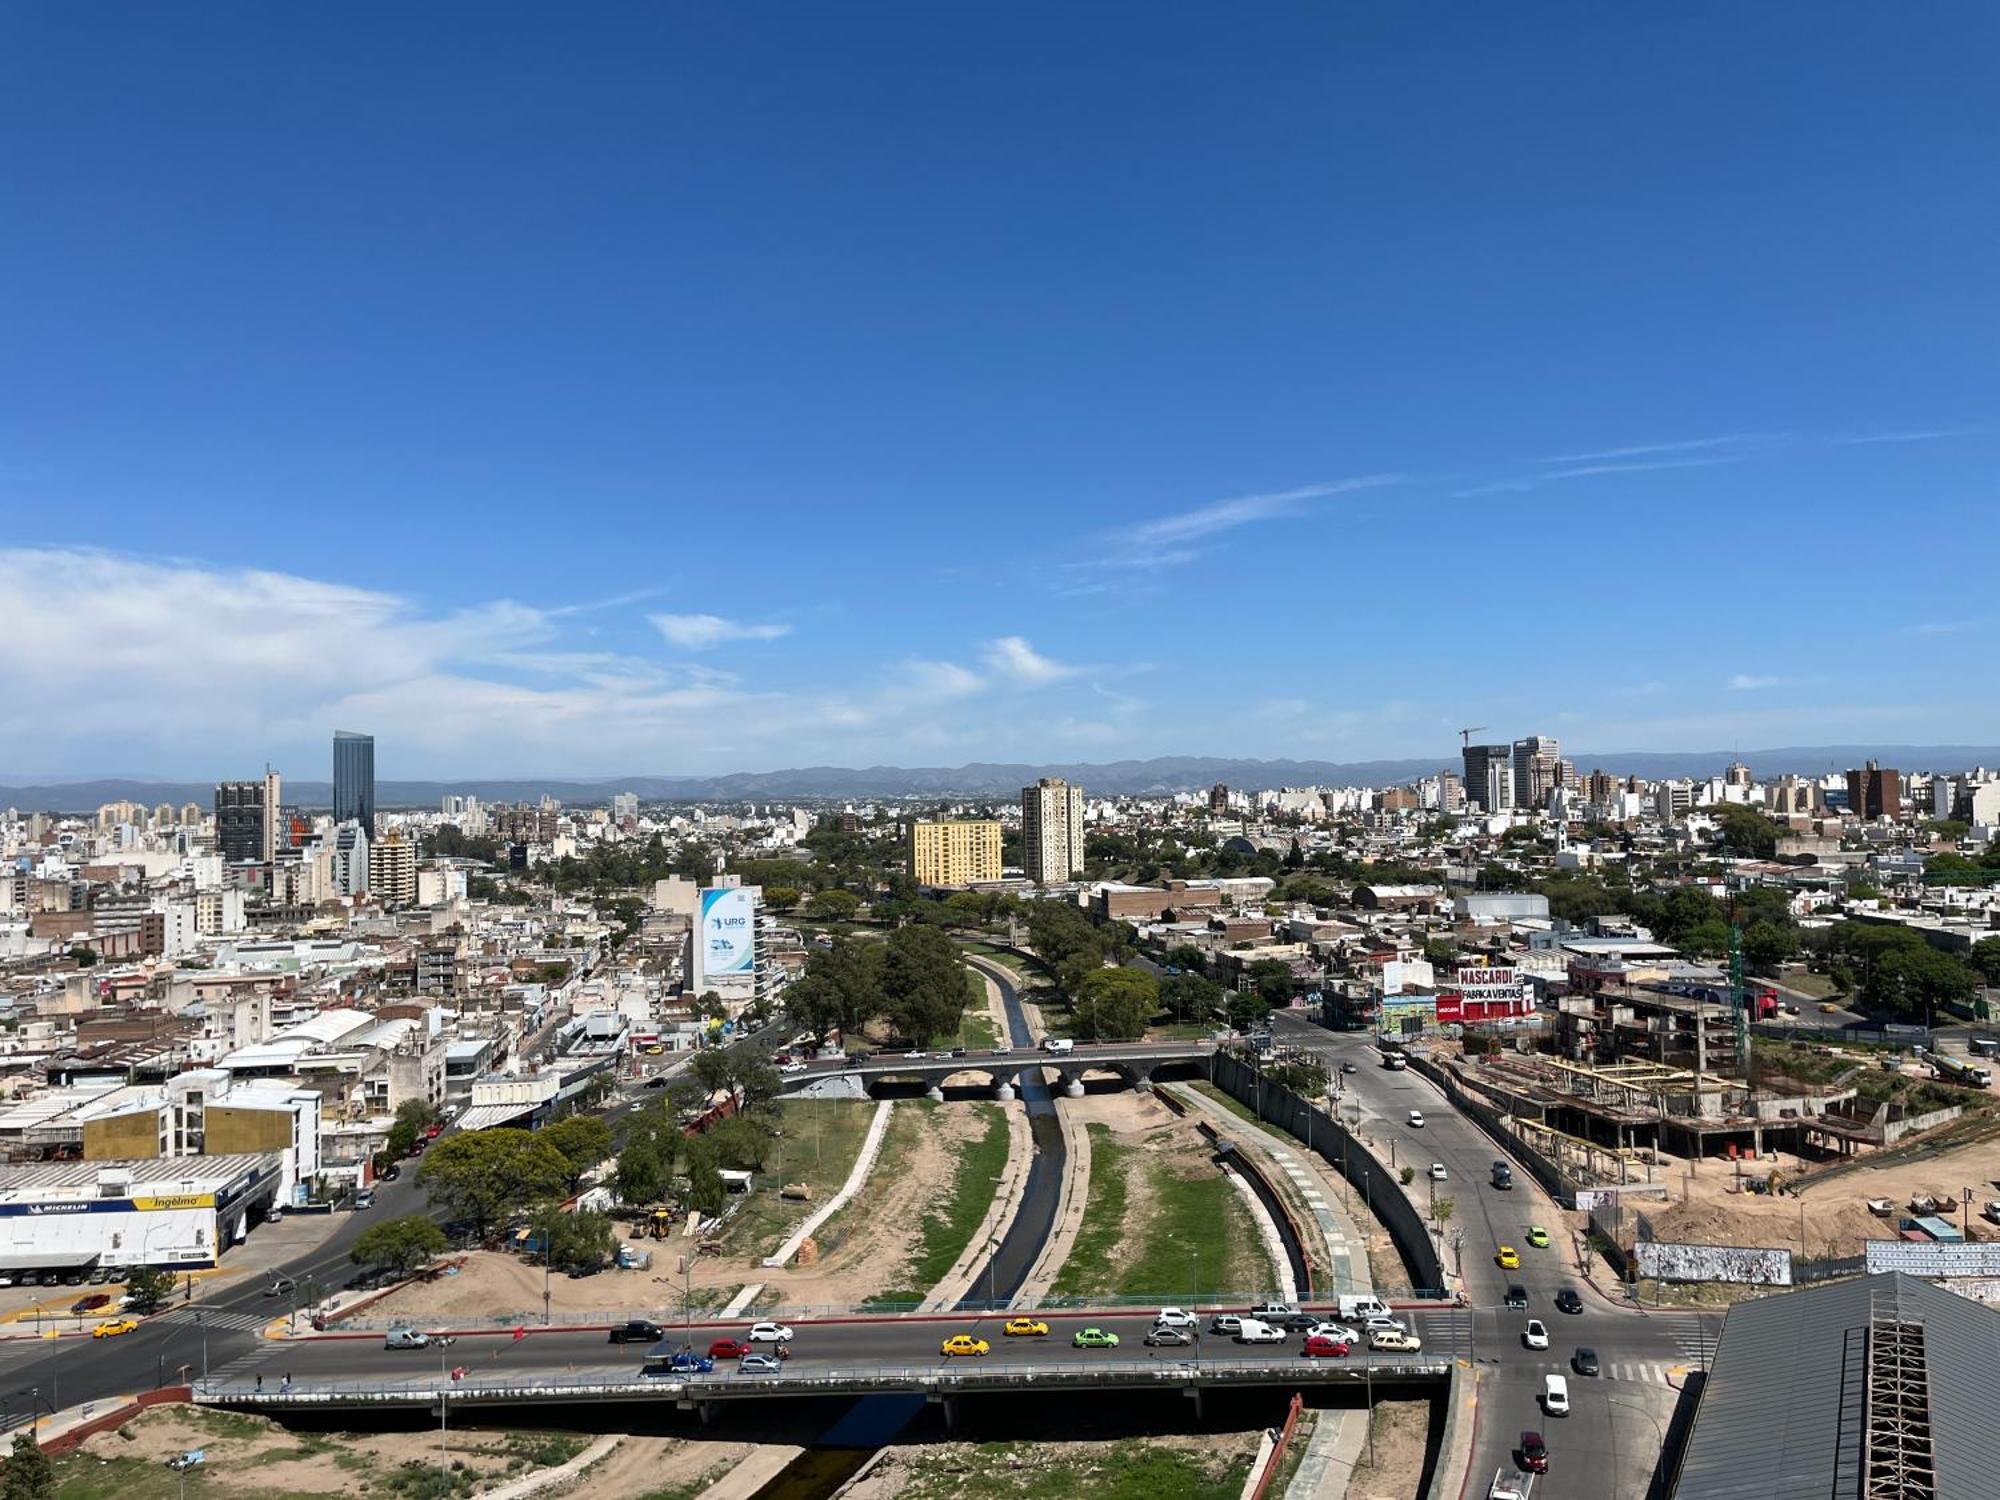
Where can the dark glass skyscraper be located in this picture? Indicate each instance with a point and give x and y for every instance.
(354, 779)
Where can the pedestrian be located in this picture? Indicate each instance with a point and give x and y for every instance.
(260, 1385)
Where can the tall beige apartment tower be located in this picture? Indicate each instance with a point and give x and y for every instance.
(960, 851)
(1052, 830)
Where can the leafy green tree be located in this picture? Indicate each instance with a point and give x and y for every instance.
(923, 983)
(1190, 997)
(781, 897)
(149, 1288)
(757, 1082)
(1768, 944)
(413, 1116)
(840, 989)
(27, 1474)
(833, 905)
(1272, 980)
(583, 1140)
(705, 1188)
(484, 1175)
(642, 1173)
(1116, 1004)
(1918, 982)
(1747, 832)
(1986, 959)
(1187, 958)
(743, 1143)
(400, 1244)
(1248, 1010)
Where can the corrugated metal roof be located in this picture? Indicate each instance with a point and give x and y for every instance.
(1784, 1412)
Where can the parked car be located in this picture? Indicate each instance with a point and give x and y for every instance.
(89, 1304)
(406, 1338)
(637, 1331)
(364, 1199)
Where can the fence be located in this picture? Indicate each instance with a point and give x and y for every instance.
(1277, 1459)
(1331, 1140)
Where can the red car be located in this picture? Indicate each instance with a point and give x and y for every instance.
(1319, 1346)
(1534, 1453)
(728, 1349)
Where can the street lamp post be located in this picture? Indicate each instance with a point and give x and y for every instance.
(444, 1396)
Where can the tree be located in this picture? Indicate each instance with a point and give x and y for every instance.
(413, 1116)
(27, 1473)
(1747, 832)
(642, 1173)
(83, 957)
(1918, 981)
(583, 1140)
(400, 1244)
(1441, 1211)
(1986, 959)
(923, 983)
(840, 988)
(705, 1189)
(149, 1288)
(742, 1143)
(1272, 980)
(757, 1082)
(1247, 1011)
(1190, 997)
(1768, 944)
(833, 905)
(1115, 1004)
(715, 1070)
(1187, 958)
(484, 1175)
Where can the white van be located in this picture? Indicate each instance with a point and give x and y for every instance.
(1256, 1331)
(1364, 1306)
(1058, 1044)
(1555, 1395)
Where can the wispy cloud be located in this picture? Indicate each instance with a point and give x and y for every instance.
(1169, 541)
(1745, 682)
(699, 632)
(1687, 445)
(1912, 435)
(1012, 658)
(616, 601)
(1941, 627)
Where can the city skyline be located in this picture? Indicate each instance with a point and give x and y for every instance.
(1282, 386)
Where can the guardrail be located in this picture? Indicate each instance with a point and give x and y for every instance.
(834, 1381)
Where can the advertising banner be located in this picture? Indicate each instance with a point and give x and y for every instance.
(726, 942)
(1483, 987)
(1744, 1264)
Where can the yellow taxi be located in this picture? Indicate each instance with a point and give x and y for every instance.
(110, 1328)
(965, 1343)
(1026, 1328)
(1509, 1258)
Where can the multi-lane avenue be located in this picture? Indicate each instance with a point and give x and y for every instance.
(1609, 1443)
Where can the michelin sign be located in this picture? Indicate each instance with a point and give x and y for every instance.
(726, 941)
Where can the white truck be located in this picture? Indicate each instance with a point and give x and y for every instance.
(1257, 1331)
(1507, 1486)
(1363, 1306)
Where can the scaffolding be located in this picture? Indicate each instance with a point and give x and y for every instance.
(1897, 1461)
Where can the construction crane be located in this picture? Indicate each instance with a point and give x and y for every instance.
(1465, 735)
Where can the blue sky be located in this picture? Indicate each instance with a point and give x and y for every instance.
(698, 387)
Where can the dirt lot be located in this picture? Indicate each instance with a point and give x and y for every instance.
(1206, 1467)
(1401, 1428)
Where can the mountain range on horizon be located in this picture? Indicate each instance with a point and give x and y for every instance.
(992, 780)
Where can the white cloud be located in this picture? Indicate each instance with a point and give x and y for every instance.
(699, 632)
(1744, 682)
(1687, 445)
(1012, 658)
(1165, 541)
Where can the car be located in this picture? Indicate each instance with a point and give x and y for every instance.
(1534, 1453)
(687, 1362)
(1025, 1328)
(1828, 1008)
(364, 1199)
(791, 1068)
(1517, 1295)
(1536, 1334)
(963, 1344)
(99, 1276)
(1388, 1341)
(1298, 1322)
(913, 1056)
(111, 1328)
(1584, 1361)
(1507, 1258)
(1272, 1312)
(1319, 1346)
(1382, 1323)
(391, 1172)
(1568, 1301)
(1538, 1237)
(1555, 1395)
(1348, 1067)
(1339, 1332)
(770, 1333)
(1438, 1173)
(1175, 1317)
(1094, 1338)
(1161, 1335)
(760, 1364)
(727, 1348)
(406, 1338)
(637, 1331)
(1416, 1119)
(74, 1278)
(6, 1278)
(89, 1304)
(1224, 1323)
(1257, 1331)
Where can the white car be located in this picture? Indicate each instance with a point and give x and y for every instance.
(792, 1067)
(1438, 1173)
(770, 1333)
(1373, 1326)
(1339, 1332)
(760, 1364)
(1175, 1317)
(1255, 1331)
(1416, 1119)
(1537, 1335)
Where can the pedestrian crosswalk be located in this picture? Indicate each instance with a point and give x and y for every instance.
(236, 1322)
(1693, 1335)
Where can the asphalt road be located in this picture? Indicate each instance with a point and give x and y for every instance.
(1618, 1421)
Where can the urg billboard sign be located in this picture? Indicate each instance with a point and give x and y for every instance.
(726, 941)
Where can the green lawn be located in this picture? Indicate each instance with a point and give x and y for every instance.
(1196, 1238)
(975, 1026)
(951, 1223)
(820, 1140)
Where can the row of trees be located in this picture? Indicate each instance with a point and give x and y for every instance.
(913, 979)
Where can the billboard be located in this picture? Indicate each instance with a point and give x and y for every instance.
(1479, 987)
(1917, 1258)
(726, 937)
(1745, 1264)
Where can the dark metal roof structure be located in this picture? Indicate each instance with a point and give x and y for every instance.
(1881, 1388)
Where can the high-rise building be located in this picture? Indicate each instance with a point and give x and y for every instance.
(273, 835)
(392, 869)
(1218, 798)
(1873, 792)
(1738, 774)
(956, 852)
(1051, 830)
(1489, 777)
(1537, 769)
(1450, 792)
(242, 820)
(625, 807)
(354, 779)
(348, 873)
